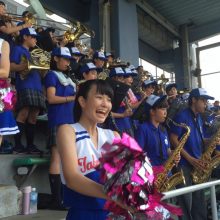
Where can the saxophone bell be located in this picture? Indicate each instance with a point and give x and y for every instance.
(164, 182)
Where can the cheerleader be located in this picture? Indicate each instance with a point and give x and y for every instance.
(80, 147)
(60, 91)
(29, 90)
(8, 125)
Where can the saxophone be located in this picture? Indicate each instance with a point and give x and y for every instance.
(163, 182)
(202, 175)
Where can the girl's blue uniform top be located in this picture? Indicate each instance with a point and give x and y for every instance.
(85, 207)
(154, 141)
(194, 144)
(33, 80)
(59, 113)
(123, 123)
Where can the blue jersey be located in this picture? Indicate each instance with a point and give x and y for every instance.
(88, 158)
(33, 80)
(60, 113)
(123, 123)
(154, 141)
(194, 144)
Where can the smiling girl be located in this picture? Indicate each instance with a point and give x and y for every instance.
(80, 147)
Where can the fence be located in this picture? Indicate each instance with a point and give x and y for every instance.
(189, 189)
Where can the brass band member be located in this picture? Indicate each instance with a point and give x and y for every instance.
(121, 115)
(60, 91)
(171, 91)
(99, 61)
(7, 29)
(29, 89)
(151, 135)
(193, 204)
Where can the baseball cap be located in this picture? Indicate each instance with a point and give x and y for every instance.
(129, 72)
(148, 82)
(152, 100)
(133, 69)
(28, 31)
(99, 55)
(200, 93)
(87, 67)
(62, 52)
(75, 51)
(170, 86)
(108, 54)
(117, 71)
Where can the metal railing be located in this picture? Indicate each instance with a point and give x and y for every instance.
(189, 189)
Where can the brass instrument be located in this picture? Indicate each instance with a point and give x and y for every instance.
(163, 182)
(80, 30)
(102, 75)
(117, 63)
(202, 175)
(161, 82)
(145, 76)
(40, 59)
(29, 18)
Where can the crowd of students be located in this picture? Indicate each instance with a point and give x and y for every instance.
(82, 117)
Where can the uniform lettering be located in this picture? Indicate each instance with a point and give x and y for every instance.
(86, 165)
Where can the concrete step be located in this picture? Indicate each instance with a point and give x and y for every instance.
(8, 201)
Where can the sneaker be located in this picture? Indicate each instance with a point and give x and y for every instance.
(19, 150)
(34, 150)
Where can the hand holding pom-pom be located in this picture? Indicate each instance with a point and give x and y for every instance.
(128, 180)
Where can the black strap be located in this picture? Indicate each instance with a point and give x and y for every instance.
(195, 121)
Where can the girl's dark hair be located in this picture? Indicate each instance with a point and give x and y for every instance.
(2, 3)
(53, 64)
(190, 100)
(160, 104)
(102, 87)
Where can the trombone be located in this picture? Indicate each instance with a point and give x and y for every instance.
(29, 18)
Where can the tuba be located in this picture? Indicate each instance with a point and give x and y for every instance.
(81, 29)
(40, 59)
(200, 175)
(163, 182)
